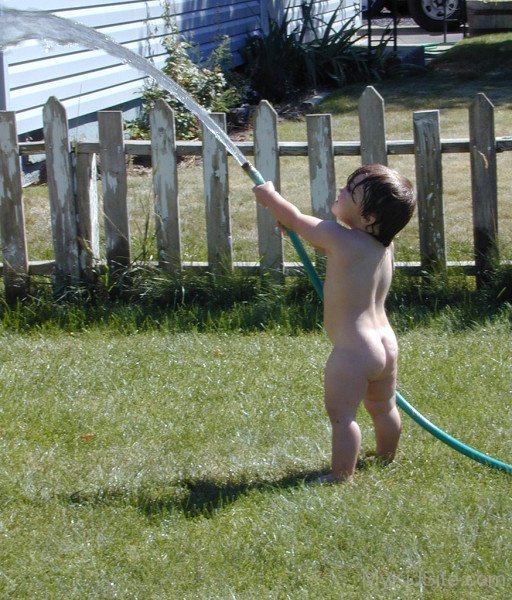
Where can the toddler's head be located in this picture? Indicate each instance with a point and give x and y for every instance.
(386, 196)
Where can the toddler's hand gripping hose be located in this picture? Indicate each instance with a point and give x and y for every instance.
(294, 238)
(402, 403)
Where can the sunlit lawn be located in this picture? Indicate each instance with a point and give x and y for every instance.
(156, 465)
(165, 463)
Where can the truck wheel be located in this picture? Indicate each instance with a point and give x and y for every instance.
(429, 14)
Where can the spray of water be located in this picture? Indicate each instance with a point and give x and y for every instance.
(21, 25)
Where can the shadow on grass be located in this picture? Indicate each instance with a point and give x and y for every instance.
(191, 497)
(197, 497)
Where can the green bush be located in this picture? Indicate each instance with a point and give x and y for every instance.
(206, 82)
(285, 61)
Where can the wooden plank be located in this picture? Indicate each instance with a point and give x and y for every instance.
(322, 178)
(216, 193)
(270, 243)
(61, 194)
(194, 148)
(429, 182)
(114, 183)
(372, 127)
(12, 217)
(88, 231)
(484, 186)
(414, 268)
(321, 165)
(165, 184)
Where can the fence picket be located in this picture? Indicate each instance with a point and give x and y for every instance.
(113, 176)
(429, 183)
(88, 230)
(372, 127)
(12, 217)
(321, 169)
(266, 152)
(165, 184)
(321, 165)
(484, 186)
(61, 193)
(322, 179)
(216, 193)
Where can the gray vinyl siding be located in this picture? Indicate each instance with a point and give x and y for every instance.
(86, 81)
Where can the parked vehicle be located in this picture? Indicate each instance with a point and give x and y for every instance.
(428, 14)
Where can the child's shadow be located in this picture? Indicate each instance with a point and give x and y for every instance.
(205, 497)
(196, 497)
(190, 497)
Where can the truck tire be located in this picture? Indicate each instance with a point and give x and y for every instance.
(429, 14)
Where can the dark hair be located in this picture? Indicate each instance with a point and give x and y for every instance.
(387, 196)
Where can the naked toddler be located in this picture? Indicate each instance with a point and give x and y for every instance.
(376, 203)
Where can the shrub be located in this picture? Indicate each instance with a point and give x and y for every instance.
(285, 60)
(206, 82)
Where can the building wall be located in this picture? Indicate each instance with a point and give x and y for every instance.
(86, 81)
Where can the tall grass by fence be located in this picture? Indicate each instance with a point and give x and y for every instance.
(74, 203)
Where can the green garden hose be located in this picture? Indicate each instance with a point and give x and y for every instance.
(402, 403)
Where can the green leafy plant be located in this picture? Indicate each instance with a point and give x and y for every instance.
(205, 81)
(315, 53)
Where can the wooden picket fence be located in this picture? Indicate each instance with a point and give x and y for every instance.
(74, 204)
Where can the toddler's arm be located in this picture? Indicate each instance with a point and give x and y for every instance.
(316, 231)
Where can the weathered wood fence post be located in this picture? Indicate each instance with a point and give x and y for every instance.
(12, 217)
(165, 184)
(429, 183)
(88, 231)
(266, 161)
(61, 193)
(322, 178)
(372, 127)
(113, 176)
(484, 184)
(216, 192)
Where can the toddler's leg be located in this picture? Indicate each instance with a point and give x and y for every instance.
(345, 387)
(385, 416)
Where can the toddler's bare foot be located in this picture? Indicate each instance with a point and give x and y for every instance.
(372, 458)
(329, 479)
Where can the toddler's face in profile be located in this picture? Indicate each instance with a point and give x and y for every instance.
(347, 206)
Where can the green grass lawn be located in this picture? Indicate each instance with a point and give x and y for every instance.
(168, 453)
(160, 465)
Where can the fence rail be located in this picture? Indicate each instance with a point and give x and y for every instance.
(74, 204)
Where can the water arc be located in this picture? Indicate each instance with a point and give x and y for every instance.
(20, 25)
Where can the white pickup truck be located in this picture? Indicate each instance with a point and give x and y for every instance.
(428, 14)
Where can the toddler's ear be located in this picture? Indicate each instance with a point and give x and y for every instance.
(369, 220)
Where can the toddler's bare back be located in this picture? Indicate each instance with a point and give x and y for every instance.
(358, 277)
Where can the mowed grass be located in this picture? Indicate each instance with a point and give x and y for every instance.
(165, 463)
(160, 465)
